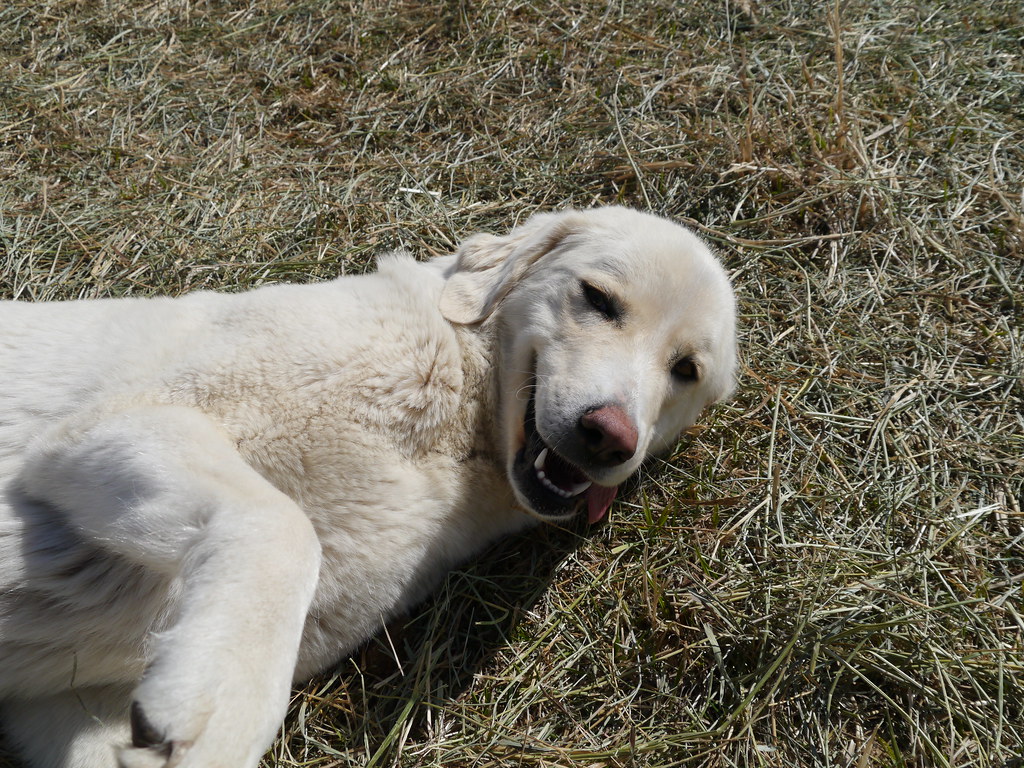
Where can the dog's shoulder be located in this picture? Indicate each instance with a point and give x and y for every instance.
(365, 358)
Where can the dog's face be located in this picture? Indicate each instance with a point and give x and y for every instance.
(615, 330)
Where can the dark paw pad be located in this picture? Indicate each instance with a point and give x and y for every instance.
(145, 735)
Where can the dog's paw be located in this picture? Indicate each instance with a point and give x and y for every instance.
(150, 746)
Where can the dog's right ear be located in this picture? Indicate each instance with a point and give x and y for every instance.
(487, 267)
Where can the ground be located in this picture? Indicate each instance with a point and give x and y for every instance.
(829, 571)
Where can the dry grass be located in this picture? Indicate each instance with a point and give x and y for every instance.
(830, 573)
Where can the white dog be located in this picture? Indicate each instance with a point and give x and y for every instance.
(205, 499)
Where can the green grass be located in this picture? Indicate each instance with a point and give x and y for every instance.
(830, 571)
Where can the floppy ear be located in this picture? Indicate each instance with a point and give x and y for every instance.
(487, 267)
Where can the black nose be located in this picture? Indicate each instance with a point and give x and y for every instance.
(609, 435)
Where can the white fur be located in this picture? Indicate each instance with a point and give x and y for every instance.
(205, 499)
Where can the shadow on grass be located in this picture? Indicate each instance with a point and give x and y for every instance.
(388, 689)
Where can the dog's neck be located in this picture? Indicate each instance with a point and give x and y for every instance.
(480, 390)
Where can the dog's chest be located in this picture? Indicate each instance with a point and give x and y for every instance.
(351, 427)
(392, 457)
(390, 542)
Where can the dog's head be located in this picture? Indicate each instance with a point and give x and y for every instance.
(615, 329)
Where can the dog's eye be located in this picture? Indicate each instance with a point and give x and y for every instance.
(599, 300)
(685, 370)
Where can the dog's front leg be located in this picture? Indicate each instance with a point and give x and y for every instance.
(164, 487)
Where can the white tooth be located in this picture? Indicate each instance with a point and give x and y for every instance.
(541, 458)
(579, 488)
(541, 475)
(551, 486)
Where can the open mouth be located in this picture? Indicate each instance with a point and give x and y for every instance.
(553, 486)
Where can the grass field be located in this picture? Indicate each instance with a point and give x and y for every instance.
(829, 571)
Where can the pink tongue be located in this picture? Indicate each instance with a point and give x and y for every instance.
(599, 499)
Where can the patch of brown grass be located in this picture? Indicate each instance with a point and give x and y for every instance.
(830, 572)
